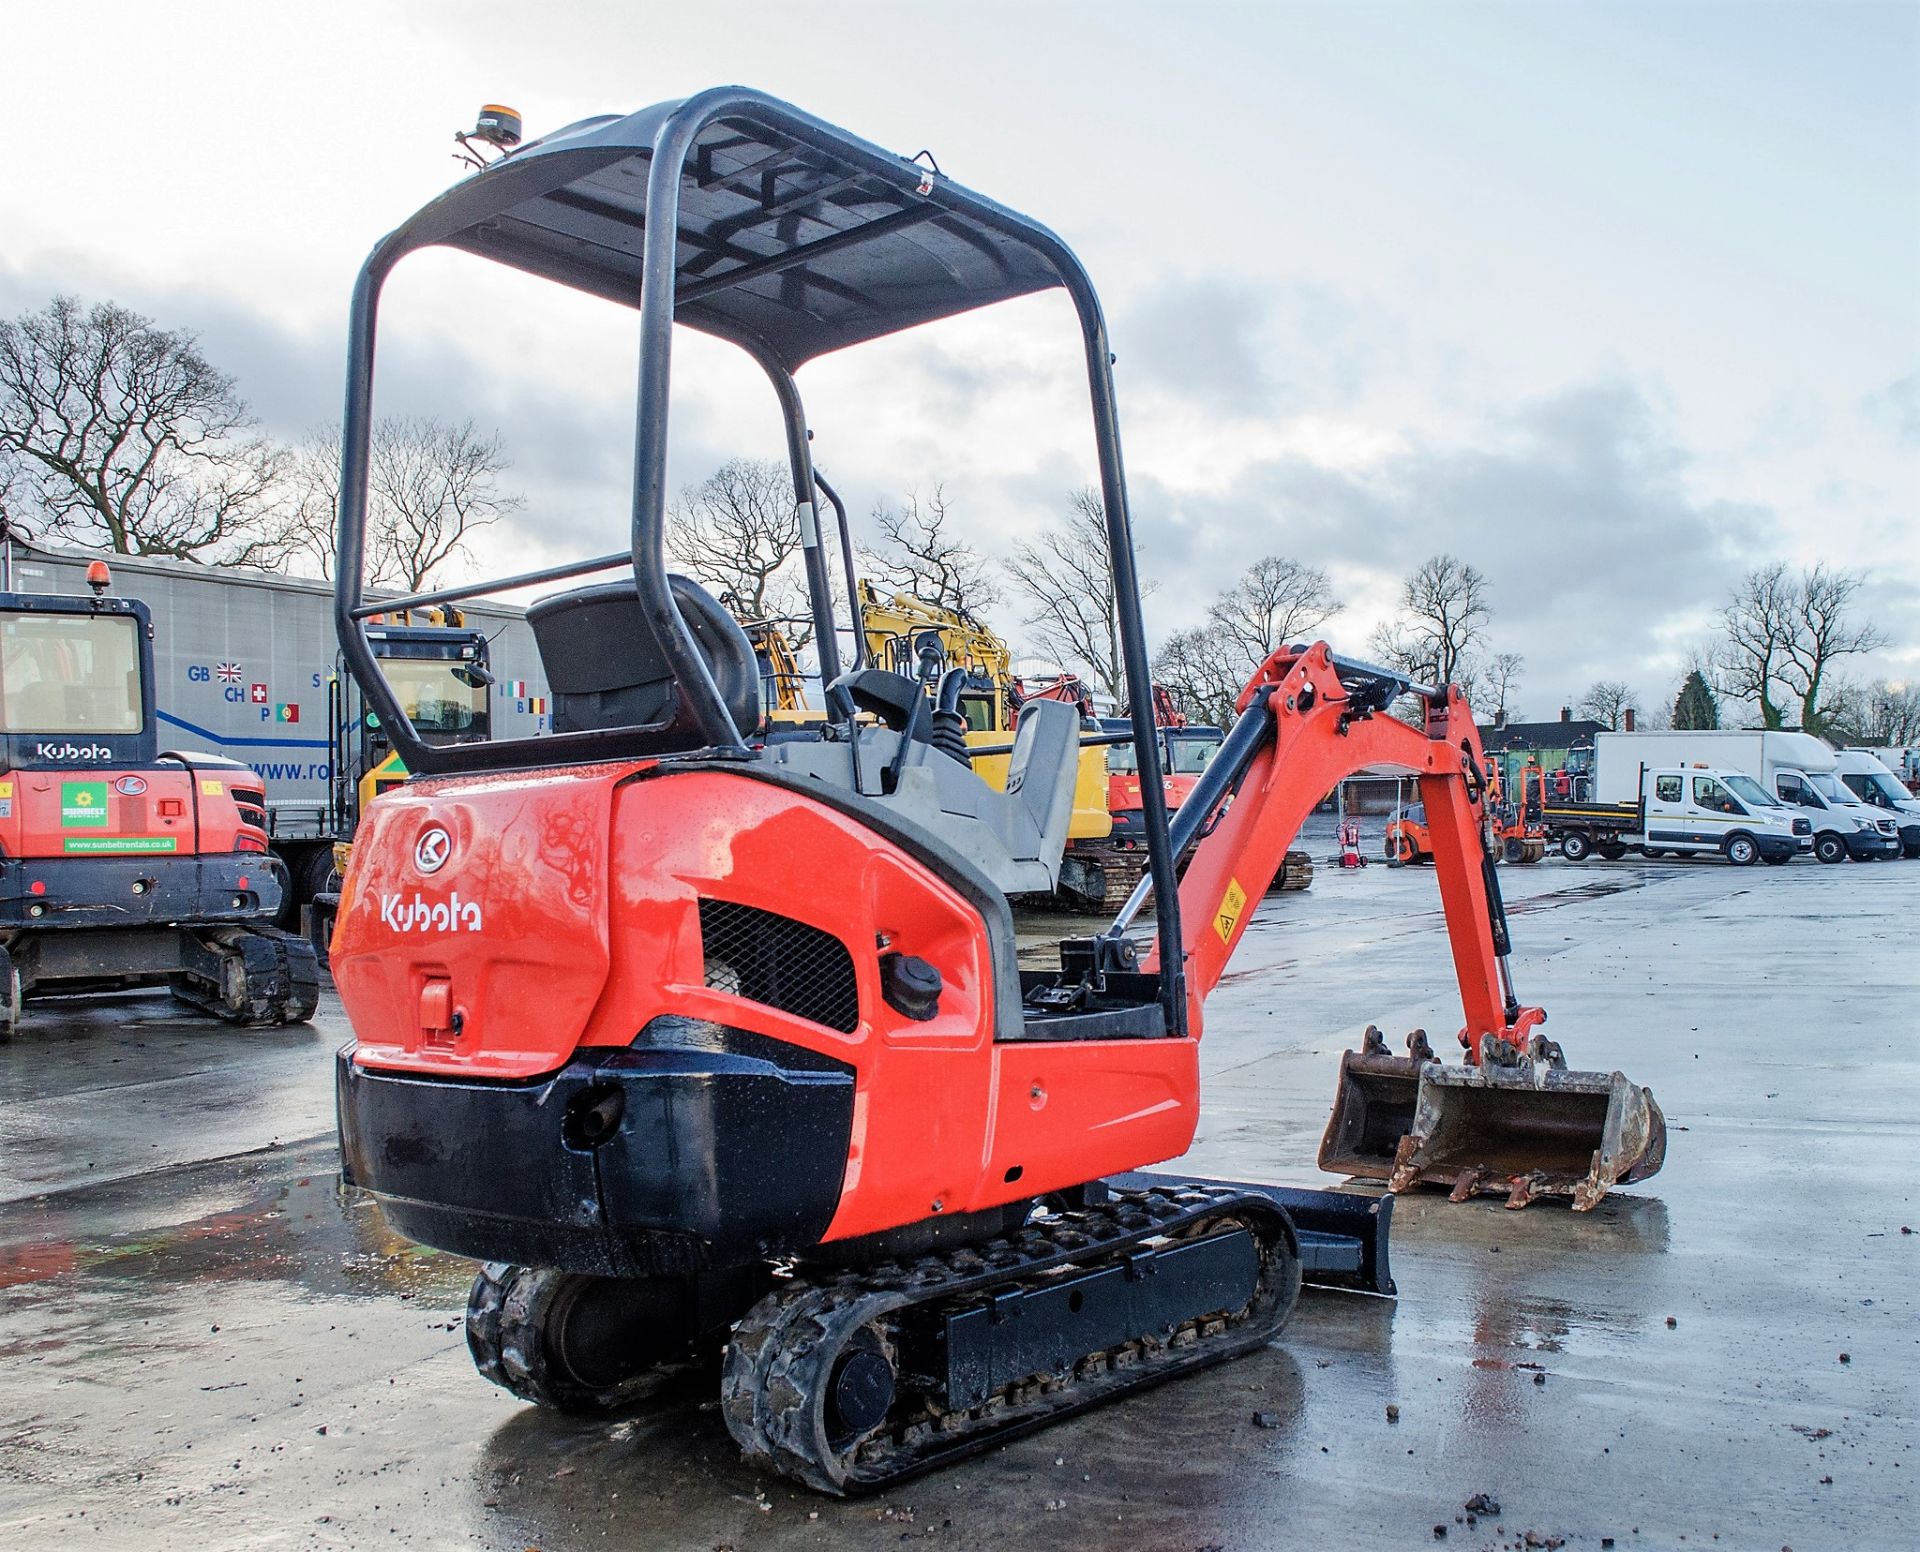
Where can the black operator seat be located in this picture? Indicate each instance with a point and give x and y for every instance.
(606, 670)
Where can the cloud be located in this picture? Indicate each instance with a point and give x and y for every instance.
(1575, 505)
(1897, 407)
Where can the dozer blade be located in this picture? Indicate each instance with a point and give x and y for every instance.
(1525, 1127)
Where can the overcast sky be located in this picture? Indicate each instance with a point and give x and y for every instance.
(1612, 300)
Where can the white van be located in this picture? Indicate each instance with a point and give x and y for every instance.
(1867, 777)
(1796, 768)
(1685, 811)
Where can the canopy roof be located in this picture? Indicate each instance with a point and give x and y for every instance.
(795, 238)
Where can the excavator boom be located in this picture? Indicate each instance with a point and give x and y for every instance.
(1510, 1117)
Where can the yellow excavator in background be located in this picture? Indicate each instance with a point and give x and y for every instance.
(908, 635)
(783, 692)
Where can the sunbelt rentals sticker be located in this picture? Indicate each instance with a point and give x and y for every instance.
(83, 804)
(119, 843)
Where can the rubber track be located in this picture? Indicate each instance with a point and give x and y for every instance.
(509, 1310)
(784, 1350)
(1296, 873)
(1119, 872)
(282, 974)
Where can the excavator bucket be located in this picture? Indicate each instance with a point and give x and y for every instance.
(1524, 1126)
(1379, 1093)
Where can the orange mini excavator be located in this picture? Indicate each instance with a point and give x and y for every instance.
(707, 1047)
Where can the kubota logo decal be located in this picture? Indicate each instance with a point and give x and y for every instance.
(72, 752)
(420, 914)
(431, 851)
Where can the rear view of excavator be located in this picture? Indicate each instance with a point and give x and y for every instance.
(120, 865)
(705, 1048)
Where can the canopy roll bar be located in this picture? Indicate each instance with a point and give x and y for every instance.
(790, 238)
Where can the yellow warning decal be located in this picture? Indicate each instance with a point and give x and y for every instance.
(6, 789)
(1231, 905)
(211, 789)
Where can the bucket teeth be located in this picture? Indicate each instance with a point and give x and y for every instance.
(1523, 1124)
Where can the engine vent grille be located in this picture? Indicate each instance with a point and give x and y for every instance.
(780, 963)
(252, 803)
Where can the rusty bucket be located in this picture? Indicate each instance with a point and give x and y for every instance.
(1526, 1126)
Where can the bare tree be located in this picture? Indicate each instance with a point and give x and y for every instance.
(1824, 630)
(1444, 609)
(131, 440)
(1503, 675)
(1880, 715)
(1203, 669)
(1608, 701)
(1066, 577)
(1782, 634)
(738, 532)
(430, 484)
(916, 555)
(1275, 602)
(1756, 625)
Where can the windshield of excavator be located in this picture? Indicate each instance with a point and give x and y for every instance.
(1188, 756)
(434, 700)
(69, 673)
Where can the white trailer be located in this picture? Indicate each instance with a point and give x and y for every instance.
(1798, 769)
(246, 665)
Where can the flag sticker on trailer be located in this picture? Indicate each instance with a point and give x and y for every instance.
(289, 712)
(82, 803)
(1231, 905)
(257, 693)
(517, 689)
(227, 673)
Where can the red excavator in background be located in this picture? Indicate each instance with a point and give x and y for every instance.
(705, 1047)
(1517, 828)
(1099, 875)
(119, 865)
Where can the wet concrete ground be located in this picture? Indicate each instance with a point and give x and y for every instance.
(203, 1344)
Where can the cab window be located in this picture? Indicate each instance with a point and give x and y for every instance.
(1190, 756)
(978, 710)
(69, 673)
(435, 701)
(1710, 795)
(1666, 789)
(1793, 790)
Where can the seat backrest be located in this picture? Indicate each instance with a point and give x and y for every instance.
(1043, 769)
(606, 669)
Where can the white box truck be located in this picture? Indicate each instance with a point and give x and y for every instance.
(1690, 810)
(246, 665)
(1869, 778)
(1797, 769)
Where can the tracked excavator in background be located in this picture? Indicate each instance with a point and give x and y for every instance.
(1516, 827)
(708, 1049)
(122, 865)
(1186, 749)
